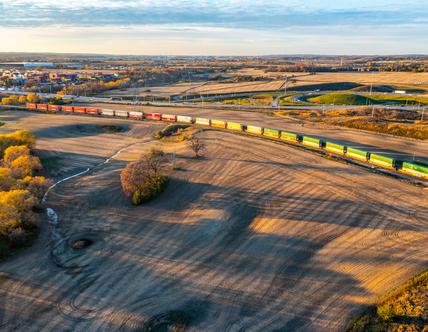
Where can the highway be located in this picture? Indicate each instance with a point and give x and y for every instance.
(83, 99)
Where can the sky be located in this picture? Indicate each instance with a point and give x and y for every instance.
(215, 27)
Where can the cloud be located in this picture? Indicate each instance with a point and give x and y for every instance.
(215, 26)
(227, 13)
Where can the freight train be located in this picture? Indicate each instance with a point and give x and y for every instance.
(412, 168)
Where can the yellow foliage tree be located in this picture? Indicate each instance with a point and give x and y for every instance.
(5, 100)
(37, 185)
(6, 179)
(24, 166)
(32, 98)
(13, 152)
(15, 210)
(22, 99)
(19, 137)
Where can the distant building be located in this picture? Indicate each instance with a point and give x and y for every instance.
(38, 64)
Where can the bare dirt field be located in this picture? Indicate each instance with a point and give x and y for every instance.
(255, 236)
(160, 91)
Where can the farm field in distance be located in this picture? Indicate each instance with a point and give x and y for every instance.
(308, 231)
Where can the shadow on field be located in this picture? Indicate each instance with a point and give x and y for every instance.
(80, 130)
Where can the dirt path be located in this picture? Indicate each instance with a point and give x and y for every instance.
(256, 236)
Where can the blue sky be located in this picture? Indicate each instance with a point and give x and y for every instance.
(214, 27)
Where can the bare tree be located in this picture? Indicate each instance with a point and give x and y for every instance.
(197, 145)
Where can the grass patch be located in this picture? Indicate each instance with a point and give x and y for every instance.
(358, 99)
(326, 86)
(339, 99)
(112, 129)
(405, 308)
(173, 133)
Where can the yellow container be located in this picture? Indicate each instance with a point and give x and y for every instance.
(234, 126)
(218, 124)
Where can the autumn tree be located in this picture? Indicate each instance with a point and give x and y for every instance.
(32, 98)
(143, 180)
(22, 99)
(19, 137)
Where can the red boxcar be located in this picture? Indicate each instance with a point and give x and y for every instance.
(153, 116)
(79, 109)
(168, 117)
(95, 111)
(54, 108)
(31, 106)
(67, 108)
(42, 107)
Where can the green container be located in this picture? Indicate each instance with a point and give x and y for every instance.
(357, 154)
(334, 147)
(417, 169)
(287, 136)
(271, 132)
(312, 141)
(381, 160)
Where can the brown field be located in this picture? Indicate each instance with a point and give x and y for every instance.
(255, 236)
(161, 91)
(224, 88)
(399, 79)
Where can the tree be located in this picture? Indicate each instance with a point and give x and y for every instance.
(5, 100)
(6, 179)
(19, 137)
(32, 98)
(22, 99)
(143, 180)
(13, 152)
(197, 145)
(24, 166)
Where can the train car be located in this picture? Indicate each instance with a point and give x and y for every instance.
(94, 111)
(357, 154)
(234, 126)
(202, 121)
(31, 106)
(218, 124)
(67, 108)
(153, 116)
(313, 142)
(254, 130)
(183, 118)
(274, 133)
(136, 115)
(42, 107)
(107, 112)
(335, 148)
(291, 137)
(54, 108)
(79, 109)
(415, 169)
(381, 161)
(122, 114)
(168, 117)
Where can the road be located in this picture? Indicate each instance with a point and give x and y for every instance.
(83, 99)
